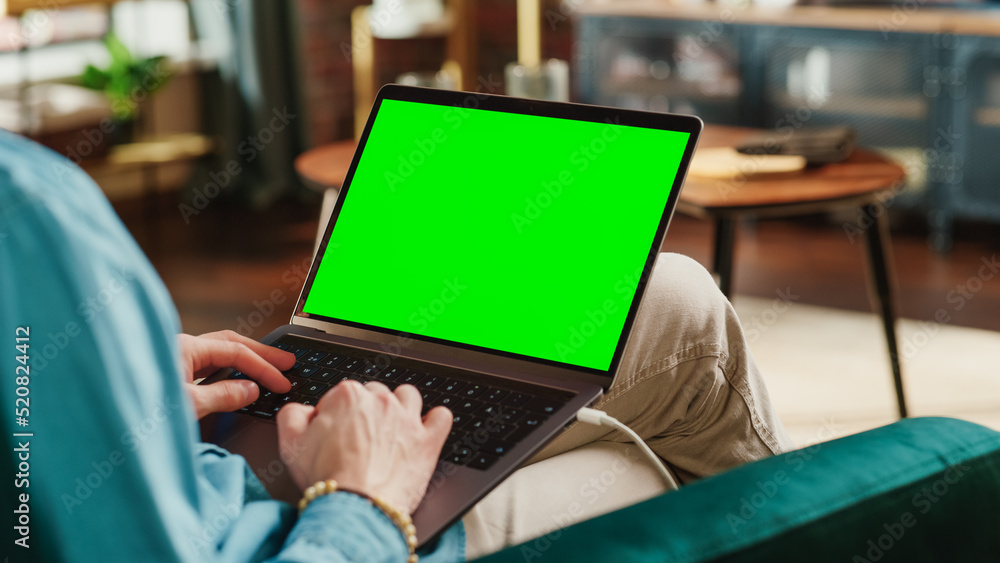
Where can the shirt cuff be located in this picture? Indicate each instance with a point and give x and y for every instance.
(344, 527)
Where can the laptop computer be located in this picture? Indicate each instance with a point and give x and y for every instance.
(491, 251)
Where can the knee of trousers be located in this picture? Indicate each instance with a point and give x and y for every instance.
(682, 308)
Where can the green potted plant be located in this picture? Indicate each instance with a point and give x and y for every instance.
(126, 82)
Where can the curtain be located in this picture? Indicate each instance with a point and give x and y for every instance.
(253, 101)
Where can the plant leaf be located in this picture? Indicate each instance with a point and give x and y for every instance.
(94, 78)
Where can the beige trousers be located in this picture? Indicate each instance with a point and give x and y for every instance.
(687, 385)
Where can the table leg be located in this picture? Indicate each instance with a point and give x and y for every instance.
(330, 196)
(722, 259)
(878, 242)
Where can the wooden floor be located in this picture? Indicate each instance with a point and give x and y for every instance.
(229, 267)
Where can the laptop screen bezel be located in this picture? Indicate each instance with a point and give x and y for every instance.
(490, 102)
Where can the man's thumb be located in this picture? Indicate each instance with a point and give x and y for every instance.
(224, 396)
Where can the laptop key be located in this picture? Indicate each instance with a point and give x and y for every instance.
(352, 365)
(239, 375)
(454, 437)
(393, 372)
(429, 399)
(473, 391)
(431, 382)
(542, 405)
(358, 377)
(324, 375)
(372, 370)
(511, 415)
(459, 421)
(490, 410)
(495, 395)
(307, 370)
(452, 386)
(495, 447)
(515, 399)
(477, 427)
(503, 415)
(314, 388)
(314, 357)
(298, 351)
(460, 455)
(265, 411)
(487, 430)
(298, 397)
(466, 406)
(296, 382)
(413, 377)
(331, 361)
(532, 421)
(524, 428)
(482, 461)
(502, 431)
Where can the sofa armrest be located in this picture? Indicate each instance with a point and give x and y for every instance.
(923, 489)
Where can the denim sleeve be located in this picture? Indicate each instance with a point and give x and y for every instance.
(366, 533)
(107, 444)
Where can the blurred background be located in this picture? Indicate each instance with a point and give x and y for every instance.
(196, 119)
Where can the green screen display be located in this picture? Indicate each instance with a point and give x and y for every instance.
(513, 232)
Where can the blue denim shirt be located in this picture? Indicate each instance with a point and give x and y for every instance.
(106, 440)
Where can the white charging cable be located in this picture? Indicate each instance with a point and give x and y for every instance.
(601, 418)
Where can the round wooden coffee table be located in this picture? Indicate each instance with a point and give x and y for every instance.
(323, 169)
(865, 181)
(325, 166)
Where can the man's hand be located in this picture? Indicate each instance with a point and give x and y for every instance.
(366, 437)
(203, 355)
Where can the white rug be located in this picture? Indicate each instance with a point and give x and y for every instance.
(828, 370)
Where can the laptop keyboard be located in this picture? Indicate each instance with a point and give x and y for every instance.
(489, 419)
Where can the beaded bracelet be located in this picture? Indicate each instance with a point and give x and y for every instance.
(401, 519)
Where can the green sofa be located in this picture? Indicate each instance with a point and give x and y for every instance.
(925, 489)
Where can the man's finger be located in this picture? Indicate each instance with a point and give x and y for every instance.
(438, 423)
(223, 396)
(292, 419)
(410, 398)
(377, 387)
(343, 396)
(279, 358)
(223, 353)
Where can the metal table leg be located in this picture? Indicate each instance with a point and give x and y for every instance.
(722, 259)
(877, 237)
